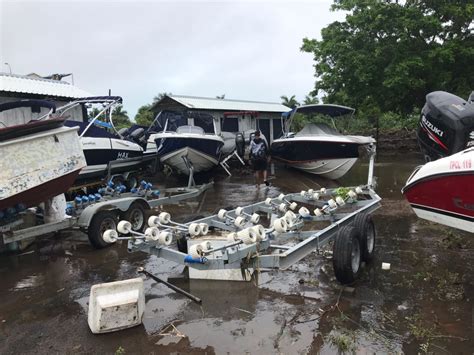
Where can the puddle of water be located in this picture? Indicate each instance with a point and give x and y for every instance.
(425, 300)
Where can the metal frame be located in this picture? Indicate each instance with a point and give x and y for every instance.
(265, 254)
(120, 202)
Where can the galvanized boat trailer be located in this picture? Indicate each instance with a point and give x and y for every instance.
(96, 217)
(232, 244)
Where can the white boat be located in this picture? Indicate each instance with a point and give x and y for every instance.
(106, 149)
(318, 148)
(187, 141)
(39, 159)
(442, 191)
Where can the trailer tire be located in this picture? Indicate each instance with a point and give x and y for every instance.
(102, 221)
(136, 216)
(347, 255)
(364, 223)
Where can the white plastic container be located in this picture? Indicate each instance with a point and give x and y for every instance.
(116, 305)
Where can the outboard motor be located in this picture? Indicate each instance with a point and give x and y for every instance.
(137, 134)
(446, 125)
(240, 144)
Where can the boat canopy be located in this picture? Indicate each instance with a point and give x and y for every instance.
(323, 109)
(27, 103)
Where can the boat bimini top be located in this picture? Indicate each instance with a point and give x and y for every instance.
(333, 111)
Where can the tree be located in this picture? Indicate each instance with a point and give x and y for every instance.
(144, 115)
(289, 101)
(389, 54)
(160, 96)
(120, 118)
(310, 100)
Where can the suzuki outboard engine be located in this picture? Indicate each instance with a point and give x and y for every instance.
(446, 125)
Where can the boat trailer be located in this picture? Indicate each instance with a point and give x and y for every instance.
(93, 214)
(232, 244)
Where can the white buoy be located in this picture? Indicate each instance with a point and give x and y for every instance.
(255, 218)
(239, 211)
(239, 222)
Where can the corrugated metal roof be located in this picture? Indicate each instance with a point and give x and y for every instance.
(31, 85)
(208, 103)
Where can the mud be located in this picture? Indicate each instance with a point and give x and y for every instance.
(422, 304)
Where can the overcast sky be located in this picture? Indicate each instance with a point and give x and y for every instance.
(244, 49)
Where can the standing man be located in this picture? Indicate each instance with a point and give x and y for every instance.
(258, 158)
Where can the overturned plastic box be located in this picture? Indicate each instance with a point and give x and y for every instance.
(116, 305)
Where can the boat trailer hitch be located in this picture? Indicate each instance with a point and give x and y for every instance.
(171, 286)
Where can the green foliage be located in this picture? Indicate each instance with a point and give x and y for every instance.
(144, 115)
(120, 118)
(310, 99)
(345, 343)
(289, 101)
(387, 55)
(160, 96)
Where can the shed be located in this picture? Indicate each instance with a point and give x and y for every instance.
(15, 87)
(231, 115)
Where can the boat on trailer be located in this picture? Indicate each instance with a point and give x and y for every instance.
(442, 190)
(187, 141)
(107, 150)
(318, 148)
(39, 157)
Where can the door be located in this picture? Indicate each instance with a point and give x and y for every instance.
(263, 125)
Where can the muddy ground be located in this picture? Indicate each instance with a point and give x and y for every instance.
(423, 304)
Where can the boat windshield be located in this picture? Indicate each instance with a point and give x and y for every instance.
(319, 129)
(171, 121)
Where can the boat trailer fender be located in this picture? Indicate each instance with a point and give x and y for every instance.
(122, 204)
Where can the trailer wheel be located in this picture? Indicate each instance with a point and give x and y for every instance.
(364, 223)
(347, 255)
(136, 216)
(102, 221)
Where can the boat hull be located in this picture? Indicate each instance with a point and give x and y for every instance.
(203, 152)
(331, 160)
(39, 166)
(104, 153)
(442, 191)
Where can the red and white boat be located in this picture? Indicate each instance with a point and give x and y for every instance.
(442, 191)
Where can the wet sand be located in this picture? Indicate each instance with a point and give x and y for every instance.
(423, 302)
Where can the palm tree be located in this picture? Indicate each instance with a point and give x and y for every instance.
(289, 101)
(160, 96)
(120, 117)
(310, 100)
